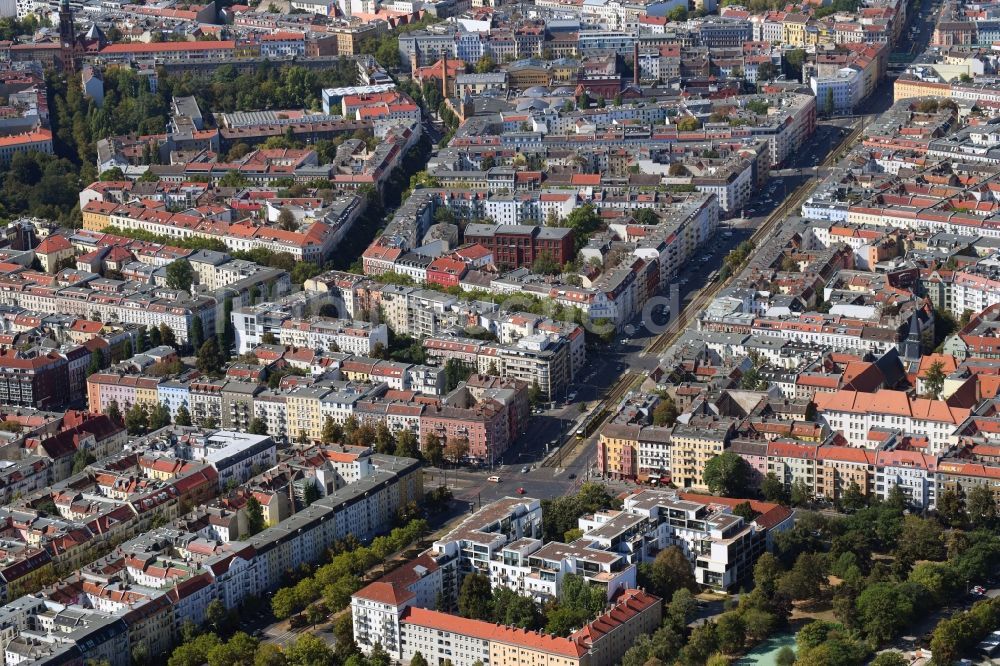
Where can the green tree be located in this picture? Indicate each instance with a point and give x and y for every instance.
(216, 614)
(309, 650)
(773, 489)
(665, 413)
(949, 508)
(285, 603)
(255, 516)
(81, 459)
(210, 357)
(332, 432)
(727, 474)
(852, 500)
(196, 334)
(407, 445)
(96, 362)
(433, 450)
(167, 336)
(485, 64)
(475, 597)
(933, 380)
(269, 654)
(730, 632)
(884, 609)
(668, 572)
(805, 578)
(800, 495)
(137, 420)
(890, 658)
(180, 274)
(981, 507)
(114, 412)
(258, 426)
(183, 417)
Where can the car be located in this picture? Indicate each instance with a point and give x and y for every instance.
(572, 396)
(520, 491)
(493, 479)
(571, 476)
(525, 469)
(979, 590)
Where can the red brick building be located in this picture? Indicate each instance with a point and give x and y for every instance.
(518, 245)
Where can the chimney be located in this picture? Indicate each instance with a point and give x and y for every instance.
(444, 74)
(635, 64)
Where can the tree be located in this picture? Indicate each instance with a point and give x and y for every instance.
(475, 597)
(806, 577)
(767, 573)
(949, 508)
(286, 219)
(196, 334)
(669, 572)
(81, 459)
(407, 445)
(933, 380)
(433, 450)
(269, 654)
(167, 336)
(255, 516)
(688, 124)
(745, 511)
(665, 413)
(883, 609)
(284, 603)
(308, 650)
(113, 412)
(920, 539)
(485, 64)
(512, 609)
(678, 14)
(210, 357)
(137, 420)
(785, 656)
(258, 426)
(216, 614)
(180, 274)
(800, 496)
(384, 440)
(96, 362)
(730, 632)
(183, 417)
(332, 432)
(682, 608)
(727, 474)
(981, 507)
(456, 449)
(890, 658)
(418, 659)
(773, 489)
(852, 500)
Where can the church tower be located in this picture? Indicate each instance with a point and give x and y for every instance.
(67, 37)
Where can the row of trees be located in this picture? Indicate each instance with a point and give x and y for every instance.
(341, 577)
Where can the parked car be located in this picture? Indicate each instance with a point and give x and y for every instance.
(525, 469)
(493, 479)
(520, 491)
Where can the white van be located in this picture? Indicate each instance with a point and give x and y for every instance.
(494, 479)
